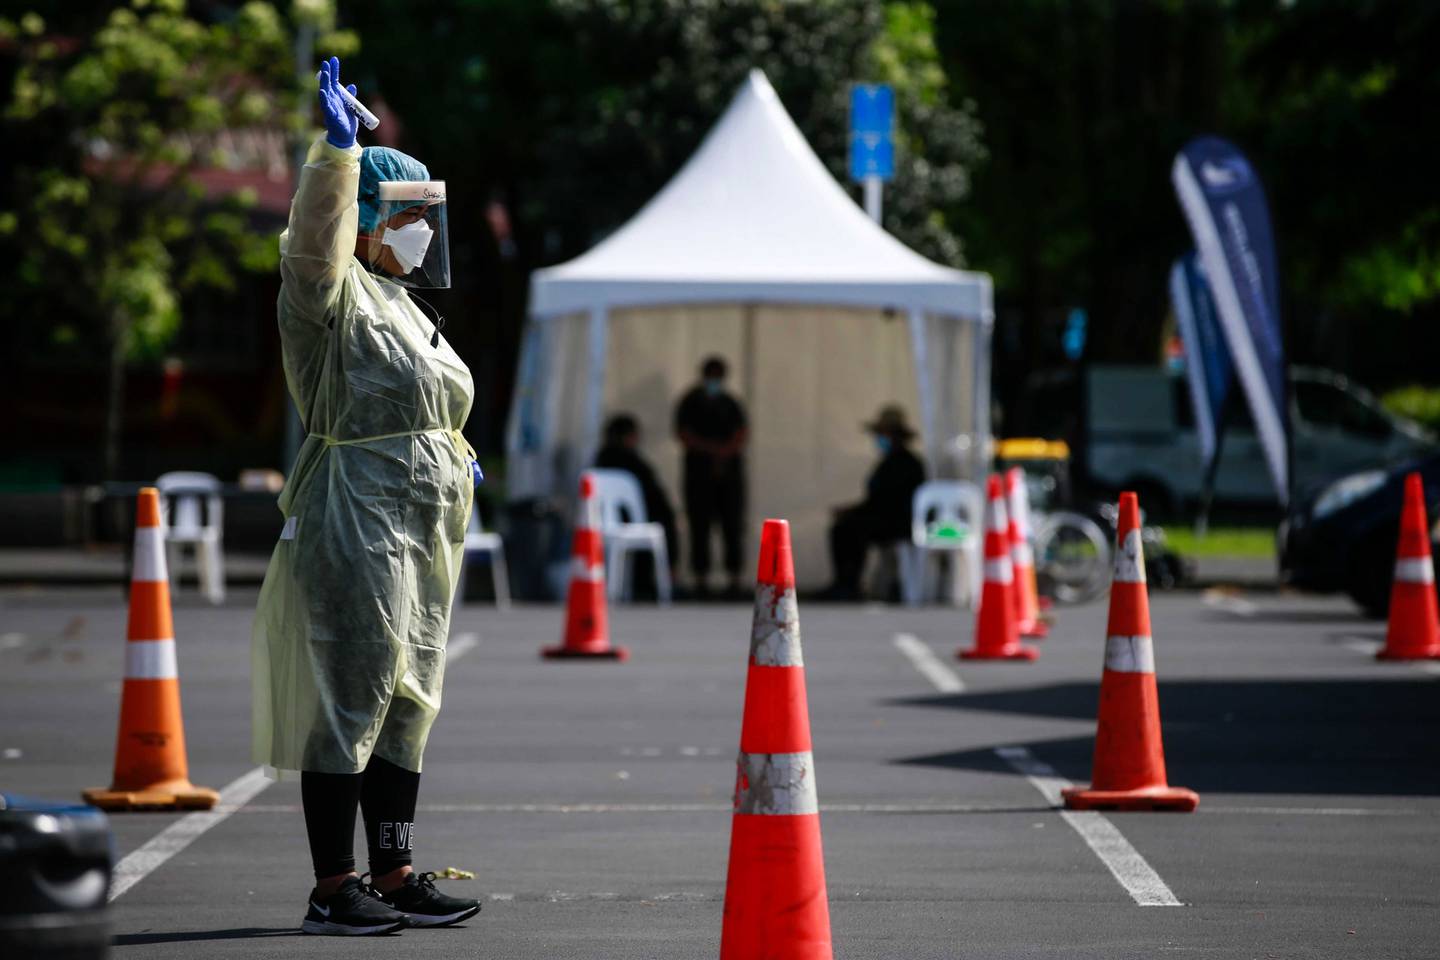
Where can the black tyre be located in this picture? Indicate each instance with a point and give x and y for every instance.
(1156, 500)
(1368, 584)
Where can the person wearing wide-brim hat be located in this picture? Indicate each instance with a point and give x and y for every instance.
(883, 517)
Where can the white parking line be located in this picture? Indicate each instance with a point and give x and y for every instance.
(944, 677)
(1136, 875)
(1371, 647)
(1229, 602)
(918, 808)
(145, 859)
(915, 808)
(1324, 811)
(141, 862)
(459, 645)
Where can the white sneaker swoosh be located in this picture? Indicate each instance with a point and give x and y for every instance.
(323, 911)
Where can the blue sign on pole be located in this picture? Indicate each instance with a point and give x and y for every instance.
(872, 131)
(871, 155)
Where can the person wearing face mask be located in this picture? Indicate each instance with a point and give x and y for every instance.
(883, 517)
(710, 424)
(348, 651)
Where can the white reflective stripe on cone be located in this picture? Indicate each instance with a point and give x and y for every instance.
(999, 571)
(775, 635)
(776, 784)
(581, 569)
(998, 523)
(1129, 654)
(150, 660)
(149, 556)
(587, 513)
(1414, 570)
(1023, 555)
(1130, 559)
(1020, 510)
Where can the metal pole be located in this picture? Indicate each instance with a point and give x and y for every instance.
(872, 198)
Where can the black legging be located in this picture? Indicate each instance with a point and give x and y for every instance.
(384, 792)
(715, 495)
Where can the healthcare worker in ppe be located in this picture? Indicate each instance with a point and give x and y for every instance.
(349, 643)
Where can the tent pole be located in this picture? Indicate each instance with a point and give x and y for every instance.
(595, 387)
(979, 451)
(928, 425)
(747, 359)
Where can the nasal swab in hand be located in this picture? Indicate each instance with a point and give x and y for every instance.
(360, 110)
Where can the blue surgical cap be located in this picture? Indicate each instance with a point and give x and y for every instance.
(383, 163)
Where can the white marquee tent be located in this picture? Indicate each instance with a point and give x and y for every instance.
(754, 252)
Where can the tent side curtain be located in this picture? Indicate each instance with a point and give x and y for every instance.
(809, 376)
(555, 420)
(550, 417)
(952, 360)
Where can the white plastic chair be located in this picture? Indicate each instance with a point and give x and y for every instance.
(492, 545)
(626, 529)
(193, 513)
(952, 504)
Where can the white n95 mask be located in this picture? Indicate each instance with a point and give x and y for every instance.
(409, 243)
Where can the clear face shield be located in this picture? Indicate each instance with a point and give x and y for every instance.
(412, 243)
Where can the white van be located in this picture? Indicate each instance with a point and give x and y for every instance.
(1142, 436)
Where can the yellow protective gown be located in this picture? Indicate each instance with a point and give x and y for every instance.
(349, 641)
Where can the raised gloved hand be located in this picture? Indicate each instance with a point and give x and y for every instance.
(340, 122)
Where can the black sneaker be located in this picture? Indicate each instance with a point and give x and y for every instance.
(424, 906)
(351, 912)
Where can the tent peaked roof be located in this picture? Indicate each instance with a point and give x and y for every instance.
(754, 215)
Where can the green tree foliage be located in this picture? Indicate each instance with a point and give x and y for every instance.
(1419, 403)
(1337, 100)
(108, 115)
(1084, 106)
(575, 112)
(644, 114)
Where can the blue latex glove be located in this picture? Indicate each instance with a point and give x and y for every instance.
(340, 122)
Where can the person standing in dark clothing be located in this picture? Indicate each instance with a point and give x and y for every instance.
(711, 426)
(621, 452)
(883, 517)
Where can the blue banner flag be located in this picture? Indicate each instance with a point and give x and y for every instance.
(1207, 359)
(1230, 221)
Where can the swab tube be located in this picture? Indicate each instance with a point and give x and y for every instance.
(359, 109)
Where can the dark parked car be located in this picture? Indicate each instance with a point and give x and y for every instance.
(1343, 537)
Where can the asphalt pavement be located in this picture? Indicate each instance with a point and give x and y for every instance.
(592, 799)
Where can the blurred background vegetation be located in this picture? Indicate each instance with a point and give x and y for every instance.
(150, 147)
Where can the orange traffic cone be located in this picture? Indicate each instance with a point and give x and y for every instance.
(1414, 630)
(1129, 765)
(1027, 594)
(997, 633)
(150, 768)
(587, 623)
(775, 900)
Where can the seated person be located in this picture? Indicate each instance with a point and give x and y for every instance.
(883, 517)
(621, 452)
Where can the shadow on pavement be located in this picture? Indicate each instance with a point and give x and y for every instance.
(1264, 736)
(186, 936)
(1292, 615)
